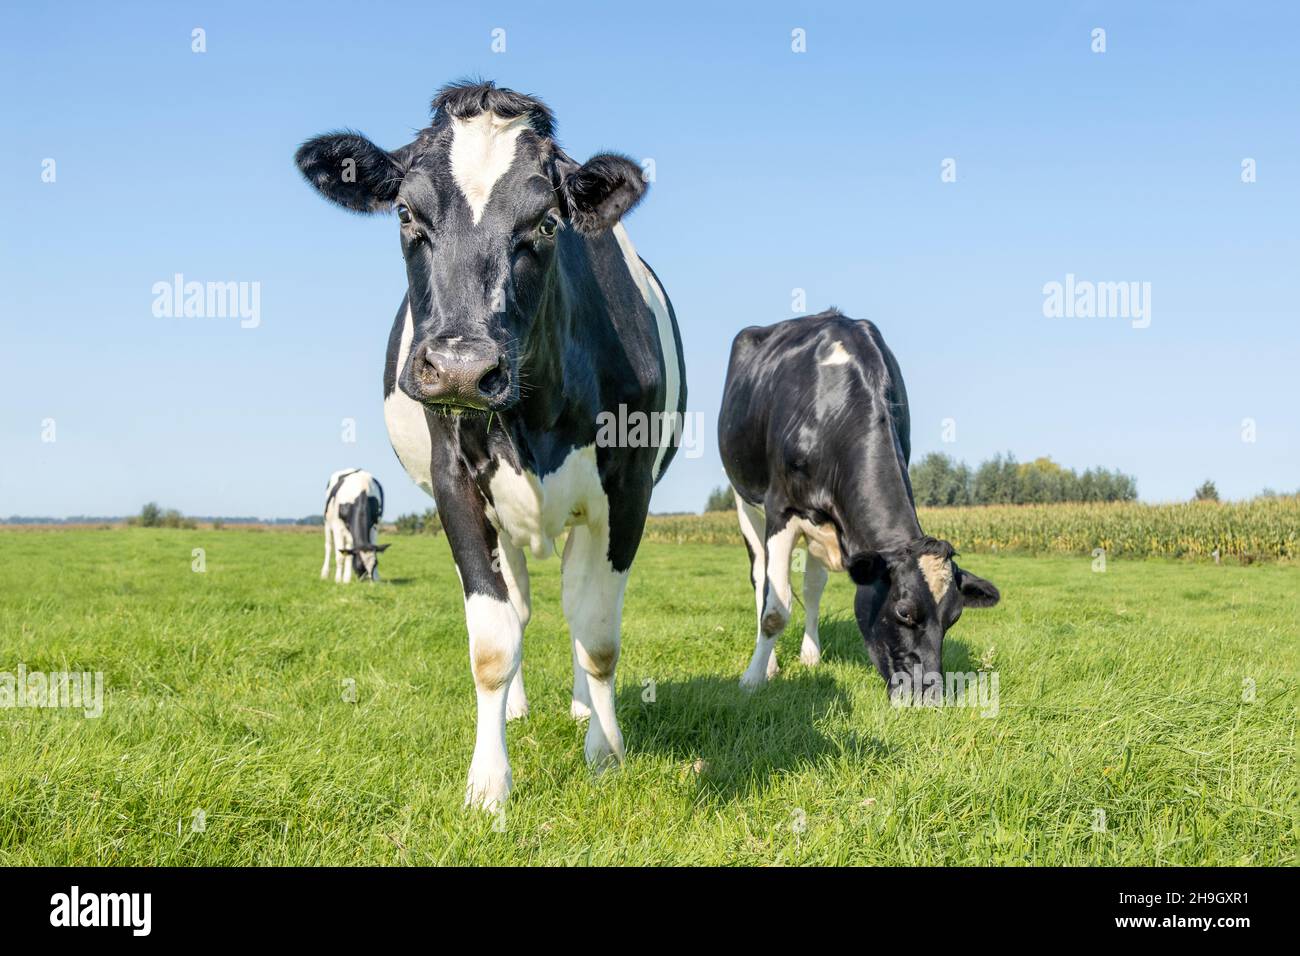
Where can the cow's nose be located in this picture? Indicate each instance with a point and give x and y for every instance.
(453, 375)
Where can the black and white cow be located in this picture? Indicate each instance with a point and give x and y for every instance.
(815, 437)
(528, 314)
(354, 503)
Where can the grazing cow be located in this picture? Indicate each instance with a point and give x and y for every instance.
(354, 502)
(528, 316)
(815, 437)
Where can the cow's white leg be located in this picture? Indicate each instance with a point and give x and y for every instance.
(514, 568)
(814, 582)
(593, 606)
(775, 605)
(751, 529)
(580, 700)
(325, 568)
(495, 647)
(752, 523)
(341, 561)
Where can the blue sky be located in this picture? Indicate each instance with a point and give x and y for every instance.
(775, 171)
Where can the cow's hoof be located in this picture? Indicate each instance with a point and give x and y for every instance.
(516, 701)
(750, 683)
(602, 753)
(487, 791)
(810, 655)
(578, 710)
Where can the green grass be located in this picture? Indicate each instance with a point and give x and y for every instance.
(1119, 691)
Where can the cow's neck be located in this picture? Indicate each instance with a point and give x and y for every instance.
(877, 512)
(545, 367)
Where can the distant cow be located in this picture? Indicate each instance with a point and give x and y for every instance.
(528, 318)
(354, 504)
(814, 435)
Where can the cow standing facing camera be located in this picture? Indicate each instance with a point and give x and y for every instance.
(528, 317)
(816, 438)
(354, 503)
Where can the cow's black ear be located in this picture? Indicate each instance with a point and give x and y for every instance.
(348, 169)
(975, 591)
(867, 568)
(601, 191)
(346, 551)
(382, 547)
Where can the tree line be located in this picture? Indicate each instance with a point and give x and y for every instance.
(940, 481)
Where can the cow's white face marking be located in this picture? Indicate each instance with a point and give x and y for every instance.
(654, 297)
(482, 149)
(838, 356)
(937, 572)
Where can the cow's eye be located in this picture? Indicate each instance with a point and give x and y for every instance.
(548, 226)
(403, 214)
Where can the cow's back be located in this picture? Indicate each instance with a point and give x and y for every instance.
(797, 395)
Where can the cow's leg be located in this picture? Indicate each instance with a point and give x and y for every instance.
(495, 634)
(751, 530)
(778, 543)
(598, 557)
(342, 563)
(325, 568)
(814, 582)
(580, 701)
(514, 568)
(593, 606)
(346, 560)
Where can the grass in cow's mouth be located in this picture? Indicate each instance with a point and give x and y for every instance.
(254, 714)
(455, 408)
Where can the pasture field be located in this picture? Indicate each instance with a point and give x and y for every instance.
(254, 714)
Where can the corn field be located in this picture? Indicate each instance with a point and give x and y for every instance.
(1262, 529)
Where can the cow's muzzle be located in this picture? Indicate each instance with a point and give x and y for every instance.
(453, 375)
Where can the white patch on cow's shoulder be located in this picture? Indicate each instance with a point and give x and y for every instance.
(823, 542)
(937, 572)
(658, 302)
(838, 356)
(482, 149)
(533, 512)
(407, 428)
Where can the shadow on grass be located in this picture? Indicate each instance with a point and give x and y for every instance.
(731, 742)
(956, 656)
(842, 641)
